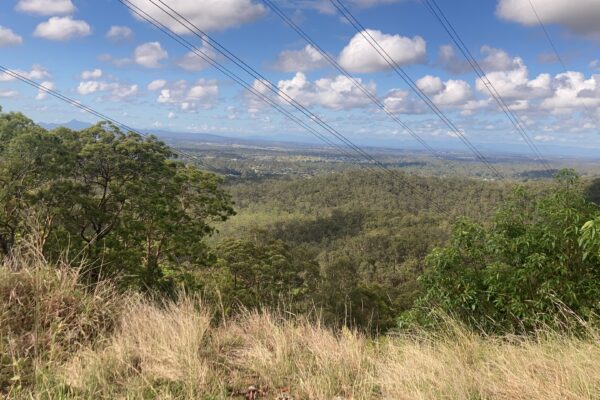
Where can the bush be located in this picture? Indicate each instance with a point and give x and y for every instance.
(522, 272)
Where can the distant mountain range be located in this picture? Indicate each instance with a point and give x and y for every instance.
(445, 145)
(72, 124)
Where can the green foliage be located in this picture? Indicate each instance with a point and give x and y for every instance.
(523, 270)
(367, 235)
(350, 245)
(115, 198)
(256, 274)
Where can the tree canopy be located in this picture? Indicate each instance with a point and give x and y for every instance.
(536, 261)
(117, 198)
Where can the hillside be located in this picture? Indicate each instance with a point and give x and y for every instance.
(127, 273)
(59, 340)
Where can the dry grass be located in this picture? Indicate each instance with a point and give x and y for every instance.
(101, 345)
(45, 316)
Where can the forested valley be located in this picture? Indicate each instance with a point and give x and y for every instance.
(354, 248)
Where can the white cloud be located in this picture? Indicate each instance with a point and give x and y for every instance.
(544, 138)
(62, 28)
(448, 60)
(89, 87)
(302, 60)
(45, 7)
(41, 93)
(336, 93)
(398, 101)
(494, 60)
(192, 62)
(37, 72)
(119, 33)
(449, 93)
(156, 84)
(115, 91)
(515, 84)
(7, 94)
(360, 56)
(430, 84)
(209, 15)
(325, 6)
(9, 38)
(580, 17)
(149, 54)
(497, 60)
(573, 91)
(200, 95)
(92, 74)
(595, 65)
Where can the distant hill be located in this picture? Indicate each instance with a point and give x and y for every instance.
(294, 141)
(72, 124)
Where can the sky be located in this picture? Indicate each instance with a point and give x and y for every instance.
(100, 54)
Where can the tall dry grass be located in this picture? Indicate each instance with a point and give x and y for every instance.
(84, 343)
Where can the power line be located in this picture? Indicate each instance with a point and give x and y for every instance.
(222, 50)
(354, 81)
(559, 58)
(197, 51)
(98, 114)
(214, 63)
(411, 83)
(202, 35)
(512, 116)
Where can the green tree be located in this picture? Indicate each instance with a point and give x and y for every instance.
(116, 198)
(264, 274)
(519, 272)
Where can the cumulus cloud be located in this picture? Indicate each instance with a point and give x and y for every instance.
(492, 59)
(9, 38)
(497, 60)
(192, 62)
(581, 18)
(208, 15)
(337, 93)
(360, 56)
(448, 60)
(46, 7)
(398, 101)
(302, 60)
(515, 83)
(37, 72)
(452, 93)
(114, 91)
(62, 28)
(92, 74)
(200, 95)
(449, 93)
(156, 84)
(149, 54)
(573, 91)
(119, 33)
(41, 95)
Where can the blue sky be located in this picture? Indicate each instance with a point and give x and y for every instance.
(98, 53)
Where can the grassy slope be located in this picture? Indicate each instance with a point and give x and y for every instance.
(101, 344)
